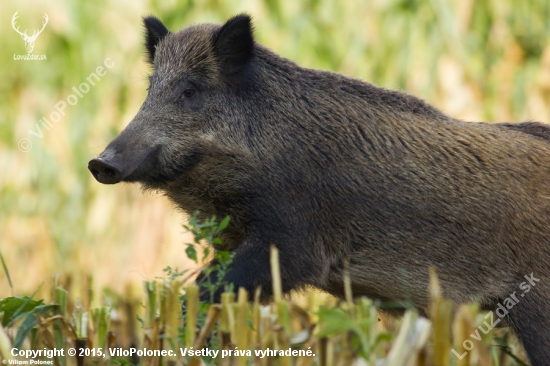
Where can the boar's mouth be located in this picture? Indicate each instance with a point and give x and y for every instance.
(112, 168)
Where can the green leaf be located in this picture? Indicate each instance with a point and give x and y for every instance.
(205, 254)
(13, 306)
(30, 322)
(250, 325)
(334, 321)
(25, 328)
(224, 223)
(191, 252)
(383, 337)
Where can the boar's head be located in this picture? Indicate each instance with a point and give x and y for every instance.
(194, 98)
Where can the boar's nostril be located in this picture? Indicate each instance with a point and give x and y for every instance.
(104, 172)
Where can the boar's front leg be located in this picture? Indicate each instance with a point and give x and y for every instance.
(250, 269)
(530, 319)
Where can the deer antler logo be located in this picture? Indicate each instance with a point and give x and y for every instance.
(29, 40)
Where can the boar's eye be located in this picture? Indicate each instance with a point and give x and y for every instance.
(188, 93)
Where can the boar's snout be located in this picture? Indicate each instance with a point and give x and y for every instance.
(105, 172)
(126, 159)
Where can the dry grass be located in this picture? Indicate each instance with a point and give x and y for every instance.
(320, 331)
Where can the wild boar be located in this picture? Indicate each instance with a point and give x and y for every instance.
(330, 168)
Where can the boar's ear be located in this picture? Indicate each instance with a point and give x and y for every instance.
(155, 31)
(234, 43)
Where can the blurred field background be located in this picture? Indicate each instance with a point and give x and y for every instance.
(485, 60)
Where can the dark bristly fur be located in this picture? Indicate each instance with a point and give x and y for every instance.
(155, 31)
(330, 168)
